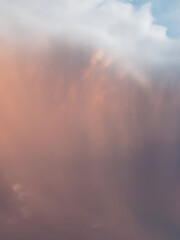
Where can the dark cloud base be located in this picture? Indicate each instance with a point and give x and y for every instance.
(88, 150)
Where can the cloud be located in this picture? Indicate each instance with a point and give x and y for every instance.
(89, 142)
(120, 29)
(107, 24)
(95, 148)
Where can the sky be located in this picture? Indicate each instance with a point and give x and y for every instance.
(89, 120)
(166, 13)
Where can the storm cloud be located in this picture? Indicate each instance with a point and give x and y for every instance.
(89, 122)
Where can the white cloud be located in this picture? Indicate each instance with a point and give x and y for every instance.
(108, 21)
(114, 26)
